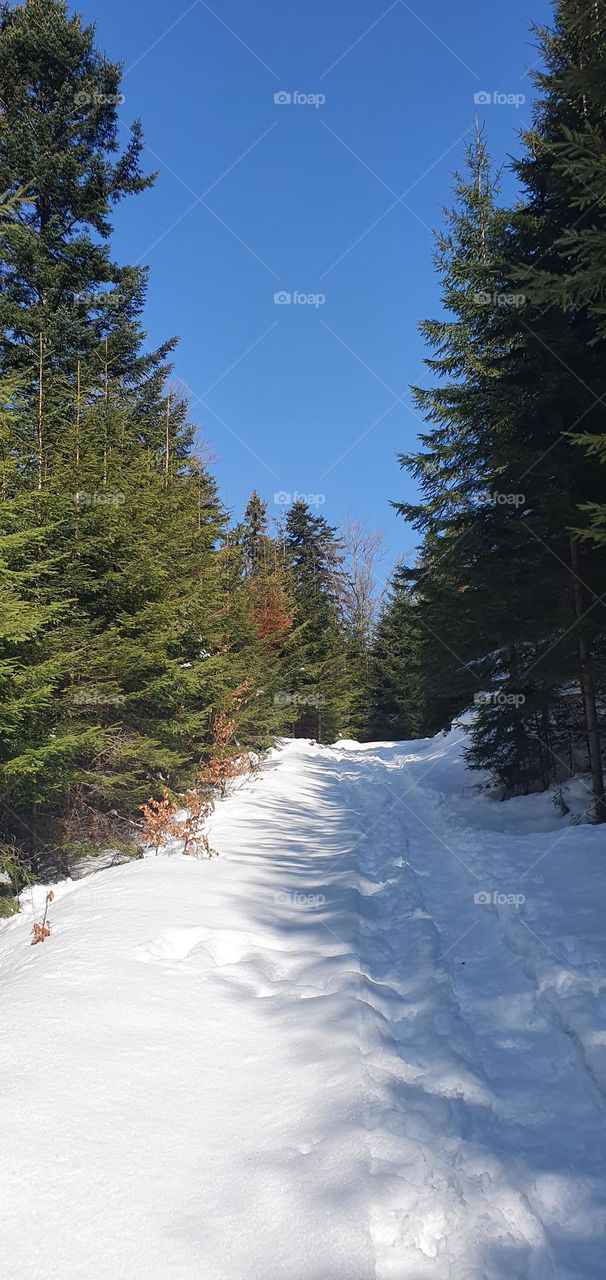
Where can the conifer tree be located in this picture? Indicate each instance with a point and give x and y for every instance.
(397, 709)
(556, 250)
(500, 484)
(319, 682)
(254, 531)
(122, 636)
(63, 297)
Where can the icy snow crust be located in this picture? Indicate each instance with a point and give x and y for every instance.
(317, 1057)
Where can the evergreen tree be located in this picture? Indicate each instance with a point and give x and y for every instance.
(126, 628)
(63, 299)
(556, 251)
(501, 483)
(396, 699)
(318, 679)
(254, 532)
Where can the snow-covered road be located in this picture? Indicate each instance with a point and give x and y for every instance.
(366, 1043)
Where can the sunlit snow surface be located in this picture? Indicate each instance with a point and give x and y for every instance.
(365, 1043)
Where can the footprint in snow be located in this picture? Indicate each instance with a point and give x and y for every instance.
(180, 943)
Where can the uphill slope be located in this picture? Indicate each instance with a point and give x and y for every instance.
(363, 1044)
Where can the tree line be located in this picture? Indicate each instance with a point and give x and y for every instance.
(147, 641)
(136, 620)
(504, 609)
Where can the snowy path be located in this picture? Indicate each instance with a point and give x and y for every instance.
(317, 1057)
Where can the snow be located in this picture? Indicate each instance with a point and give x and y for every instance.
(367, 1042)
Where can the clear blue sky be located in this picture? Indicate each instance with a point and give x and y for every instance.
(337, 199)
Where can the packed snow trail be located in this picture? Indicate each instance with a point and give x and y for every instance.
(366, 1043)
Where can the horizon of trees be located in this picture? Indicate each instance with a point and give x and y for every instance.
(146, 641)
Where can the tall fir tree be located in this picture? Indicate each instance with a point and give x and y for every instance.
(319, 683)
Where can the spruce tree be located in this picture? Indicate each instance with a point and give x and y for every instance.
(124, 633)
(556, 251)
(500, 482)
(254, 532)
(64, 299)
(319, 683)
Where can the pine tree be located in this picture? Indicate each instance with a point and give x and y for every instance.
(575, 281)
(397, 706)
(254, 532)
(500, 483)
(63, 298)
(319, 683)
(557, 240)
(122, 637)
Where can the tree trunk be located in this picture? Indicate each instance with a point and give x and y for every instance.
(40, 412)
(588, 689)
(167, 445)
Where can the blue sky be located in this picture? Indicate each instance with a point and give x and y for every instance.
(332, 201)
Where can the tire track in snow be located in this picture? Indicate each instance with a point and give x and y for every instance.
(429, 1217)
(546, 1122)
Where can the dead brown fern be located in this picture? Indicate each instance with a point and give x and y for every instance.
(158, 821)
(199, 807)
(42, 931)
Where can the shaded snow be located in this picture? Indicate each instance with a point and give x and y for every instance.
(317, 1057)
